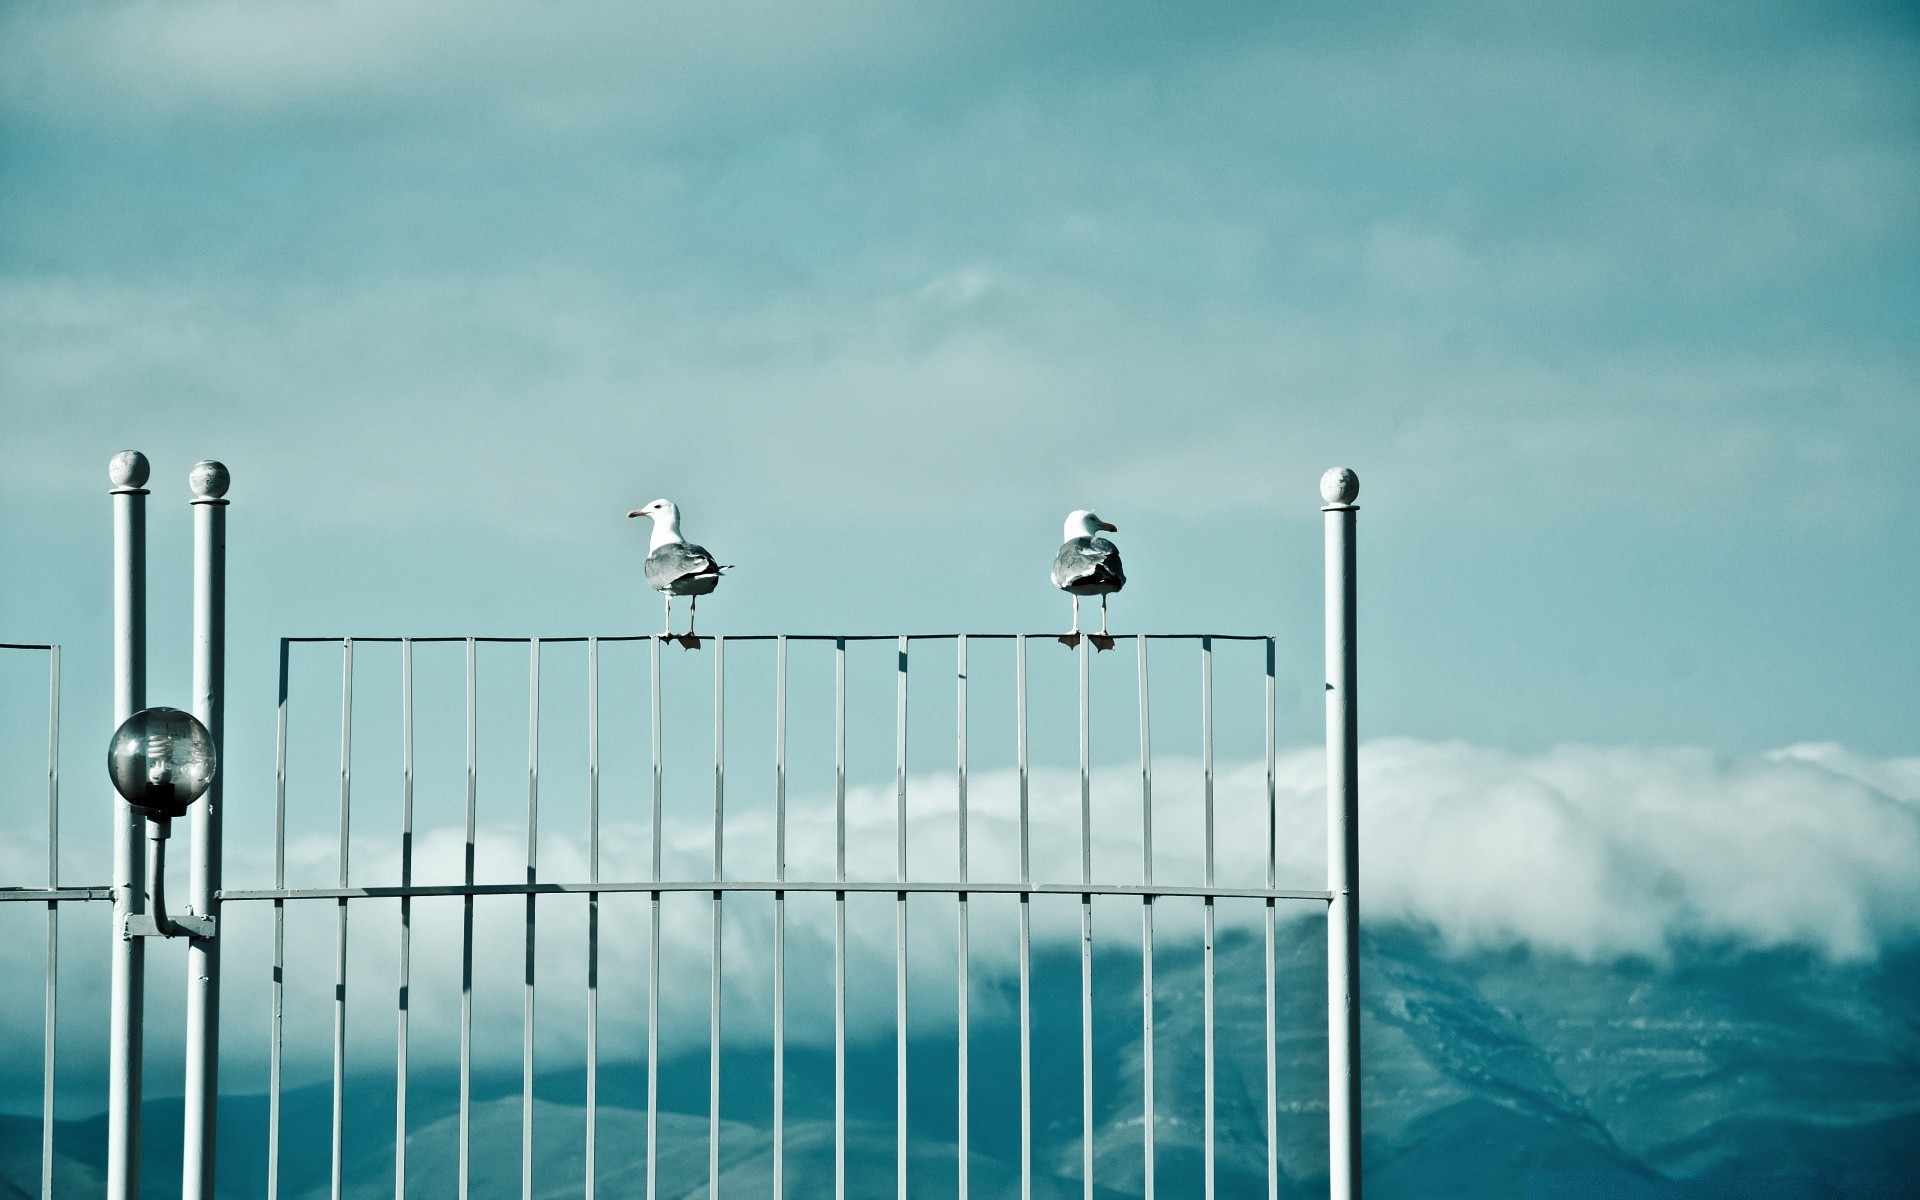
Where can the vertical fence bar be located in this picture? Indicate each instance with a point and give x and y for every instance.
(527, 998)
(900, 925)
(1086, 928)
(779, 919)
(1207, 913)
(47, 1061)
(653, 940)
(1273, 878)
(719, 873)
(840, 919)
(279, 985)
(591, 1181)
(1339, 487)
(128, 472)
(1026, 917)
(201, 1094)
(1146, 929)
(466, 926)
(337, 1158)
(404, 1006)
(961, 1030)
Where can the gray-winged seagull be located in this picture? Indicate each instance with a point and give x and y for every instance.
(1088, 565)
(677, 567)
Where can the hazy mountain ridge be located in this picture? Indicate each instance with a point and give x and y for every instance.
(1483, 1071)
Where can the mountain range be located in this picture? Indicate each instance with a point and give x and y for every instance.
(1723, 1073)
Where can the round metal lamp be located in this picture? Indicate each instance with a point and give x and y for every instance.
(162, 760)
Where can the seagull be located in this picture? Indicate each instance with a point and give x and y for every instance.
(1088, 565)
(677, 567)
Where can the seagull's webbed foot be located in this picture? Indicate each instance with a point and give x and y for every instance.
(1069, 639)
(1101, 641)
(688, 641)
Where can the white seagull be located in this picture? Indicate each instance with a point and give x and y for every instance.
(677, 567)
(1088, 565)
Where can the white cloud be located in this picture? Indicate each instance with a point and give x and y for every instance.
(1585, 851)
(554, 62)
(1601, 852)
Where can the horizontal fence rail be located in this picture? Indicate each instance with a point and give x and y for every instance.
(914, 653)
(881, 887)
(54, 895)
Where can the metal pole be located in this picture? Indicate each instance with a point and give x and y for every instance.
(1339, 487)
(900, 931)
(209, 481)
(278, 991)
(50, 1044)
(1026, 915)
(653, 937)
(779, 920)
(591, 1183)
(403, 1007)
(530, 948)
(962, 1067)
(464, 1175)
(1086, 931)
(1273, 880)
(338, 1164)
(128, 471)
(1147, 1126)
(1207, 1074)
(839, 920)
(717, 977)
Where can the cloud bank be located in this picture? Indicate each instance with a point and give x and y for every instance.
(1596, 853)
(1601, 852)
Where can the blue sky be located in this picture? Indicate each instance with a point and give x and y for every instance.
(1613, 308)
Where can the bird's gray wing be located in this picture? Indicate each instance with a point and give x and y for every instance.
(1110, 562)
(677, 560)
(1088, 560)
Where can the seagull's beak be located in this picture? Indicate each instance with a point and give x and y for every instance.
(1108, 526)
(638, 512)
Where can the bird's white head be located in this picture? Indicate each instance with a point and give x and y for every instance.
(665, 515)
(1084, 522)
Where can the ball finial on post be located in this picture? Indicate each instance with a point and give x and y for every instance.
(1339, 486)
(209, 480)
(128, 469)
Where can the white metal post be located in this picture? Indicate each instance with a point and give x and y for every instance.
(209, 481)
(128, 471)
(1339, 487)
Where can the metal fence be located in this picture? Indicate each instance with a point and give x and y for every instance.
(948, 652)
(944, 653)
